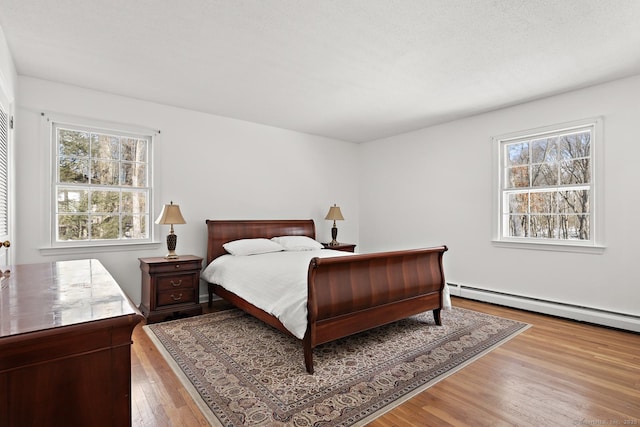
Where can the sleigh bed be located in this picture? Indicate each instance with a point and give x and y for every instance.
(345, 294)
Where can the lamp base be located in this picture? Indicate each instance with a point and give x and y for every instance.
(172, 241)
(334, 235)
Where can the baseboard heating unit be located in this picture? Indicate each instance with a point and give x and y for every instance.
(584, 314)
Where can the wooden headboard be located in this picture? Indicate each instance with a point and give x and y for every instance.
(223, 231)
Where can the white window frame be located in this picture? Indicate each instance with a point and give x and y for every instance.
(54, 247)
(596, 242)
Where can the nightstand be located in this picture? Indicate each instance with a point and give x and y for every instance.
(170, 287)
(345, 247)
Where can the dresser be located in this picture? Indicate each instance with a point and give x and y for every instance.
(65, 346)
(170, 287)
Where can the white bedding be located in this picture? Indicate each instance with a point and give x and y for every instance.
(274, 282)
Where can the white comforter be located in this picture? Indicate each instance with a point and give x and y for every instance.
(274, 282)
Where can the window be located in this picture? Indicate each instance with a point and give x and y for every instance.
(547, 191)
(102, 185)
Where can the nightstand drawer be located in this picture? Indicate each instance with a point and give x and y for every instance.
(177, 281)
(177, 296)
(175, 266)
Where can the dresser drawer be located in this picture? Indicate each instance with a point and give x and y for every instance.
(176, 296)
(176, 281)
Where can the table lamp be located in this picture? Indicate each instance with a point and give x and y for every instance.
(171, 215)
(335, 215)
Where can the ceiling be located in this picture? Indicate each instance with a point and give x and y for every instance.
(355, 70)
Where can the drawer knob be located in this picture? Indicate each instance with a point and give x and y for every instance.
(176, 298)
(176, 284)
(177, 265)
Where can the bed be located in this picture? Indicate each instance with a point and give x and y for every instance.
(346, 293)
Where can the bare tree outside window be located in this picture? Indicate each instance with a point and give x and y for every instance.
(546, 186)
(102, 185)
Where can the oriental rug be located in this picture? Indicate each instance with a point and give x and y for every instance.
(241, 371)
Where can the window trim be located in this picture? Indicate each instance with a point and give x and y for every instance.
(54, 247)
(596, 244)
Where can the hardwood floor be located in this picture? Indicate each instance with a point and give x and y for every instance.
(556, 373)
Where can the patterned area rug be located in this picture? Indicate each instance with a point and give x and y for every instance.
(243, 372)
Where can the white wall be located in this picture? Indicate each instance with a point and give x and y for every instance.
(8, 75)
(434, 186)
(213, 167)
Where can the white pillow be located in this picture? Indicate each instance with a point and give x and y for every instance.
(252, 247)
(298, 243)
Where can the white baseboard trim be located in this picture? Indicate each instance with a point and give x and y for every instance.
(584, 314)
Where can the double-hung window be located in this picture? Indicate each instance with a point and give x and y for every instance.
(102, 186)
(547, 185)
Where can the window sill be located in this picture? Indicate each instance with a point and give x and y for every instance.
(550, 246)
(83, 249)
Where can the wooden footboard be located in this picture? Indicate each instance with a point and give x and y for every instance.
(351, 294)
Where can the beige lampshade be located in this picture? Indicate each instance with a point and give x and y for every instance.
(334, 214)
(170, 215)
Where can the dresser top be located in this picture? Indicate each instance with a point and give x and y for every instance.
(37, 297)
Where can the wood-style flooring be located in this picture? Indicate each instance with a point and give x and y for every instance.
(556, 373)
